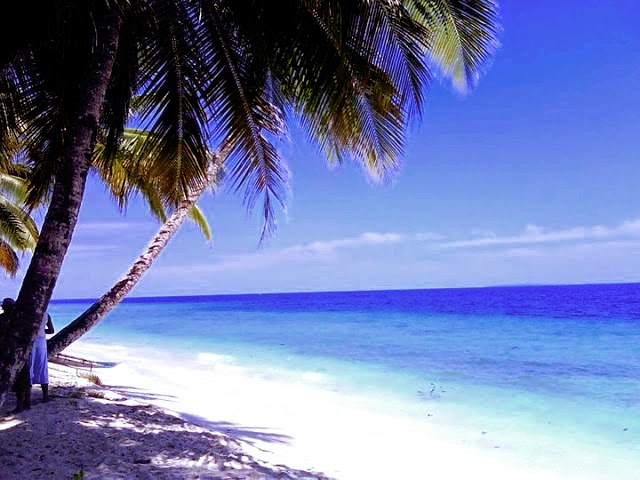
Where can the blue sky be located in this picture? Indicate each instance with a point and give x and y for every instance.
(530, 179)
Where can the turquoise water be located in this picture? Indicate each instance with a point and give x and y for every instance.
(552, 373)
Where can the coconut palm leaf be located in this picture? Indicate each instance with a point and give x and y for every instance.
(216, 76)
(464, 36)
(127, 174)
(198, 217)
(170, 108)
(18, 231)
(17, 228)
(9, 261)
(12, 186)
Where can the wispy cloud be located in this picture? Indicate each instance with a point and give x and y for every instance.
(531, 243)
(97, 238)
(519, 243)
(306, 253)
(534, 234)
(112, 227)
(367, 239)
(317, 252)
(91, 250)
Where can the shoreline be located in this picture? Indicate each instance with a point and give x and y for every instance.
(270, 420)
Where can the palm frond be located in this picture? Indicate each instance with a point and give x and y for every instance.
(41, 137)
(464, 36)
(9, 261)
(170, 108)
(17, 228)
(356, 103)
(9, 118)
(125, 173)
(198, 217)
(122, 87)
(238, 96)
(12, 187)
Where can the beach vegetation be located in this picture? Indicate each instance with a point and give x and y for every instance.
(128, 177)
(222, 77)
(94, 394)
(18, 230)
(123, 176)
(449, 49)
(93, 378)
(128, 173)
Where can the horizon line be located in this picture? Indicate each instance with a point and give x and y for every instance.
(209, 295)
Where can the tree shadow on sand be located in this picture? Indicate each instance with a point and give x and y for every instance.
(117, 440)
(250, 435)
(138, 393)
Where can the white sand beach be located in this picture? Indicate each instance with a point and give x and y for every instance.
(155, 419)
(90, 429)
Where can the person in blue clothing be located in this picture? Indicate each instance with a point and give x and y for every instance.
(39, 360)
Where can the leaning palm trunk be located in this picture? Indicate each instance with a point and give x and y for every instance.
(83, 117)
(92, 315)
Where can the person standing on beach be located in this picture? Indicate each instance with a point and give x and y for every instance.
(39, 357)
(22, 384)
(7, 306)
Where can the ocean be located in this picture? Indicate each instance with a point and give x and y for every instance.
(548, 374)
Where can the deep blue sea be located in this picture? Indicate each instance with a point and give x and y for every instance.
(532, 363)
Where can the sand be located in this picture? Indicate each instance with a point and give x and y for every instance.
(91, 429)
(157, 419)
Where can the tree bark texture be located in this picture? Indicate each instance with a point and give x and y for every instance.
(82, 119)
(107, 302)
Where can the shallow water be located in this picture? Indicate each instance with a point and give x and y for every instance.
(549, 375)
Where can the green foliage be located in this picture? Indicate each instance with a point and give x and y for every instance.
(129, 172)
(79, 475)
(222, 76)
(463, 34)
(229, 75)
(18, 230)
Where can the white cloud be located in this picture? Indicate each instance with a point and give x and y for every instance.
(535, 234)
(327, 251)
(533, 255)
(112, 227)
(630, 227)
(482, 232)
(97, 238)
(364, 240)
(367, 239)
(525, 252)
(91, 250)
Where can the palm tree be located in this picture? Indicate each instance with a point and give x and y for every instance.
(18, 231)
(109, 300)
(127, 172)
(449, 50)
(123, 176)
(122, 181)
(351, 71)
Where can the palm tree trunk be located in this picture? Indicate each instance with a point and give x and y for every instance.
(82, 117)
(92, 315)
